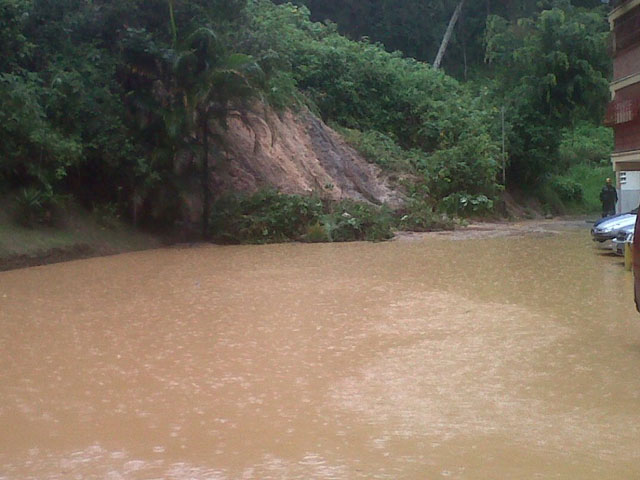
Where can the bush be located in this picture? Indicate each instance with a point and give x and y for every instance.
(586, 143)
(567, 189)
(316, 233)
(464, 204)
(107, 215)
(418, 216)
(550, 199)
(269, 216)
(352, 221)
(381, 149)
(589, 179)
(264, 217)
(34, 207)
(469, 166)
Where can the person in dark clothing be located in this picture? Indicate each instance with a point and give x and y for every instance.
(608, 197)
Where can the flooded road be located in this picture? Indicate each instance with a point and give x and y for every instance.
(475, 358)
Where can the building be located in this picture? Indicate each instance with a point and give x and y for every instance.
(623, 113)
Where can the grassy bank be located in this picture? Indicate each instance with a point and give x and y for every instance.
(264, 217)
(78, 235)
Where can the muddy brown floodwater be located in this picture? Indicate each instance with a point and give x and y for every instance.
(464, 357)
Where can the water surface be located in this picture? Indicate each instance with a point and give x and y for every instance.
(508, 357)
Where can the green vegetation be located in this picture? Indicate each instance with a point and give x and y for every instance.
(544, 63)
(349, 220)
(409, 113)
(586, 179)
(552, 73)
(69, 234)
(416, 28)
(98, 98)
(583, 159)
(418, 216)
(585, 144)
(269, 216)
(382, 150)
(264, 217)
(121, 106)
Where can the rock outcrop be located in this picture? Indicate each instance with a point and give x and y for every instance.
(297, 153)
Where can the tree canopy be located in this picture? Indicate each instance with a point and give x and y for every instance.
(99, 99)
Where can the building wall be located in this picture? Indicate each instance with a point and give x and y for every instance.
(626, 26)
(627, 136)
(627, 133)
(629, 191)
(631, 92)
(624, 112)
(626, 63)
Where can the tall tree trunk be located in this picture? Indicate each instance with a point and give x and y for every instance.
(464, 56)
(464, 46)
(172, 21)
(206, 192)
(447, 35)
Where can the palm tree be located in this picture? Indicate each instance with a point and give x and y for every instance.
(209, 82)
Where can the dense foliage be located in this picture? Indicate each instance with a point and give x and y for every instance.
(544, 62)
(552, 72)
(416, 27)
(408, 112)
(118, 103)
(268, 216)
(93, 96)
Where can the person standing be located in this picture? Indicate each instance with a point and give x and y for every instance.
(608, 197)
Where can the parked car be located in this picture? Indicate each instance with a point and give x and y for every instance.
(636, 269)
(625, 235)
(608, 228)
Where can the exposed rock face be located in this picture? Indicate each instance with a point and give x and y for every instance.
(297, 153)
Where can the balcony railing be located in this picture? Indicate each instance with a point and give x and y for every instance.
(621, 111)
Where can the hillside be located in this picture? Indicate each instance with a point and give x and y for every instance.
(293, 153)
(159, 112)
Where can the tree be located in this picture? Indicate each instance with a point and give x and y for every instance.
(447, 35)
(209, 81)
(552, 72)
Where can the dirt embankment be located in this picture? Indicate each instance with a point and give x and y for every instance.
(295, 153)
(298, 153)
(52, 255)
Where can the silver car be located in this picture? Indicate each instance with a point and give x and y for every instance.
(625, 235)
(608, 228)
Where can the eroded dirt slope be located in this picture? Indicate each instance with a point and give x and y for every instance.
(297, 153)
